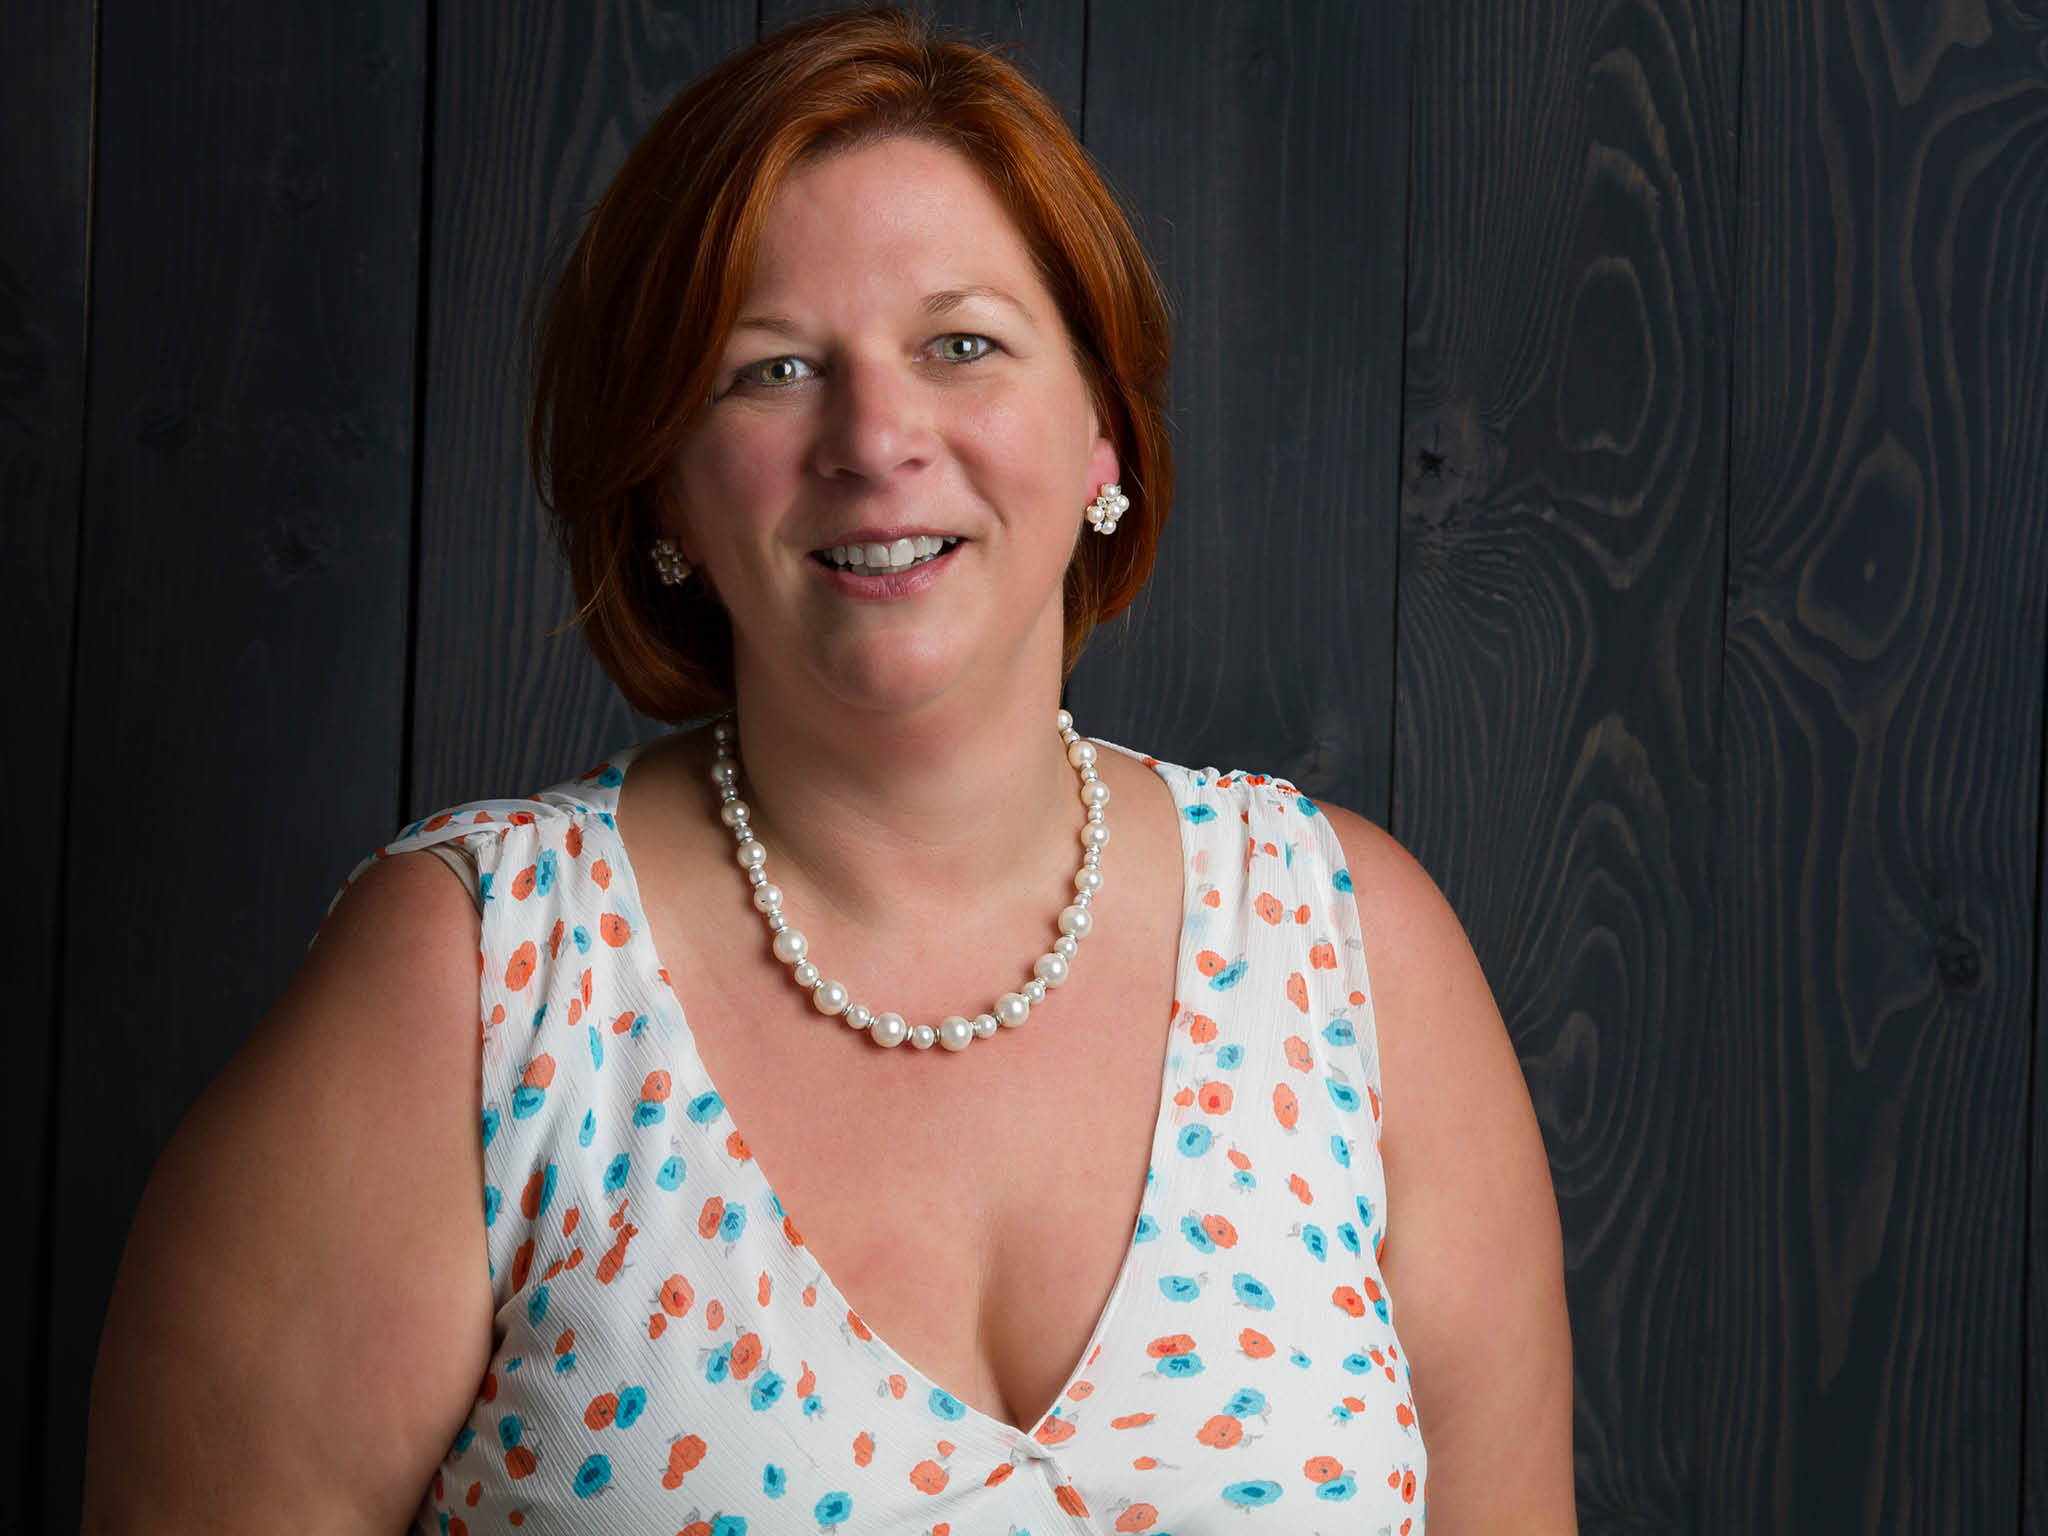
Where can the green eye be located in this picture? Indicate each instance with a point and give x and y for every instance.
(963, 348)
(775, 371)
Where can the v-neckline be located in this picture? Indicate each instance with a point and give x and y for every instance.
(685, 1057)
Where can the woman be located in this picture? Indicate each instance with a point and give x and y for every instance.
(868, 1143)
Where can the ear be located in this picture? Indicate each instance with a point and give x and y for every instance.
(1102, 468)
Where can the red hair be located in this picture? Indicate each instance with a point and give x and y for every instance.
(630, 335)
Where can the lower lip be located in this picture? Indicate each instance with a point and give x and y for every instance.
(860, 584)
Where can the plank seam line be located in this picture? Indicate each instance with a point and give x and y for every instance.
(31, 1496)
(2029, 1368)
(1415, 14)
(422, 374)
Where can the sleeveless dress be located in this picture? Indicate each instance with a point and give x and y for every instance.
(669, 1358)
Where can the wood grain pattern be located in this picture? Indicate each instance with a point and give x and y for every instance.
(1559, 608)
(242, 604)
(1864, 1261)
(2034, 1493)
(46, 124)
(1263, 153)
(535, 108)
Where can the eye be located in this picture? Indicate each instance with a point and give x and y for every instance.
(962, 347)
(774, 372)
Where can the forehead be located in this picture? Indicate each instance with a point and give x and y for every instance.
(886, 218)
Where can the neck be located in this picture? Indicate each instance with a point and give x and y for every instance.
(889, 816)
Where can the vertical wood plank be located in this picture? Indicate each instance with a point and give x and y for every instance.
(2034, 1491)
(535, 108)
(1559, 633)
(242, 598)
(1263, 152)
(1047, 36)
(46, 123)
(1879, 774)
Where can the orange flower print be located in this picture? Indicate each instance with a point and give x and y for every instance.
(1221, 1432)
(1214, 1098)
(1054, 1431)
(1267, 908)
(1297, 991)
(1321, 1469)
(1131, 1421)
(863, 1448)
(1202, 1028)
(1349, 1300)
(1298, 1056)
(1286, 1107)
(1220, 1231)
(1137, 1517)
(928, 1477)
(1170, 1344)
(1068, 1497)
(520, 970)
(1255, 1344)
(1323, 956)
(615, 931)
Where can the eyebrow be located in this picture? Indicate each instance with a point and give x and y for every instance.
(944, 302)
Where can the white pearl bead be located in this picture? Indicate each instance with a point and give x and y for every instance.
(721, 730)
(1076, 921)
(733, 812)
(1094, 792)
(751, 854)
(985, 1025)
(829, 997)
(1095, 813)
(777, 922)
(767, 896)
(805, 975)
(1063, 721)
(724, 771)
(790, 946)
(889, 1029)
(1012, 1009)
(1034, 991)
(1089, 880)
(923, 1036)
(1094, 834)
(858, 1016)
(1083, 898)
(1066, 945)
(1081, 753)
(757, 876)
(955, 1033)
(1051, 969)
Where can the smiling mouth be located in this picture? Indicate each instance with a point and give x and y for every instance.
(884, 559)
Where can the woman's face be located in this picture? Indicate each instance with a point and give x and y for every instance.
(898, 373)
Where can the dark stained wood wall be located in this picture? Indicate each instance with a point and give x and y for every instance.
(1614, 453)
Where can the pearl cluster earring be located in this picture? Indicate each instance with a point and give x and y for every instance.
(669, 562)
(1110, 503)
(831, 998)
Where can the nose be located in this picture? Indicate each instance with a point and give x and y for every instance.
(876, 422)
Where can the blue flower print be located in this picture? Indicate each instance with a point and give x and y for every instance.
(1337, 1489)
(1245, 1402)
(704, 1107)
(632, 1403)
(1148, 1229)
(946, 1405)
(580, 937)
(1199, 813)
(526, 1099)
(1342, 880)
(463, 1441)
(540, 1015)
(1244, 1178)
(510, 1431)
(589, 1130)
(1347, 1234)
(1194, 1140)
(732, 1224)
(774, 1481)
(490, 1125)
(1181, 1365)
(639, 1026)
(1230, 1056)
(729, 1525)
(1312, 1238)
(1229, 976)
(491, 1199)
(832, 1509)
(719, 1366)
(671, 1175)
(1251, 1495)
(537, 1305)
(610, 777)
(1343, 1095)
(1358, 1365)
(547, 1192)
(767, 1391)
(1340, 1032)
(615, 1173)
(1251, 1292)
(648, 1112)
(1340, 1149)
(565, 1363)
(596, 1048)
(544, 872)
(595, 1473)
(1191, 1229)
(1299, 1361)
(812, 1404)
(1179, 1288)
(1308, 806)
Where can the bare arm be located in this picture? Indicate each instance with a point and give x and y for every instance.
(303, 1309)
(1473, 1258)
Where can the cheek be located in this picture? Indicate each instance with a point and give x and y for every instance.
(734, 469)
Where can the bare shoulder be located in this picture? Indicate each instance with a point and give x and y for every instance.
(1473, 1258)
(303, 1309)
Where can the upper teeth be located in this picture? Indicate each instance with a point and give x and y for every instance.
(888, 557)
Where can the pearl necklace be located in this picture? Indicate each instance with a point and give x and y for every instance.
(889, 1029)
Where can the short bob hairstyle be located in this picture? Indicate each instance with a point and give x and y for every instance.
(629, 338)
